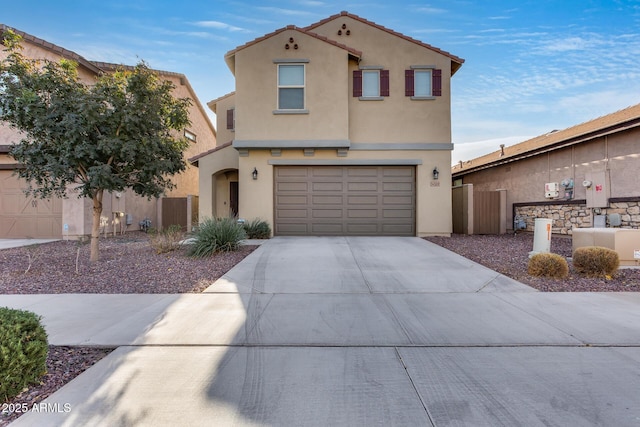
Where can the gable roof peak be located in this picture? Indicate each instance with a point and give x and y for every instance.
(456, 62)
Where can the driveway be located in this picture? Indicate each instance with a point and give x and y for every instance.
(350, 331)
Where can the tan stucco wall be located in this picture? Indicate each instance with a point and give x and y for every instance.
(222, 160)
(433, 203)
(224, 135)
(326, 91)
(397, 118)
(617, 155)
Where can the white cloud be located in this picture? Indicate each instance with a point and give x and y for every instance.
(281, 11)
(429, 9)
(220, 26)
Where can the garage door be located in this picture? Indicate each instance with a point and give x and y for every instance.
(26, 217)
(345, 200)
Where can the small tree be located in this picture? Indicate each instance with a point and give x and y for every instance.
(115, 134)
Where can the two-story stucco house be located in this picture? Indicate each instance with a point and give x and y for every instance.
(339, 128)
(71, 218)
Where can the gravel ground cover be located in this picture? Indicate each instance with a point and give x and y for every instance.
(64, 267)
(509, 254)
(128, 264)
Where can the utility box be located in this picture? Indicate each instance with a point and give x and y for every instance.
(597, 189)
(625, 241)
(117, 202)
(551, 190)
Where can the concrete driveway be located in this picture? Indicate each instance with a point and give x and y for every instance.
(349, 331)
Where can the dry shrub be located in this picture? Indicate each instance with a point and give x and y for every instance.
(596, 261)
(166, 240)
(548, 265)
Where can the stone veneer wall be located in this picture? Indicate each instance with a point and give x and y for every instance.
(568, 216)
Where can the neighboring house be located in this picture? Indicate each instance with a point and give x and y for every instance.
(582, 176)
(70, 218)
(338, 128)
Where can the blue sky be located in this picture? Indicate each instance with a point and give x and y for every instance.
(531, 66)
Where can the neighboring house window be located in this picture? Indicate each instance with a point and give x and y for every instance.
(190, 135)
(291, 82)
(423, 82)
(371, 83)
(231, 118)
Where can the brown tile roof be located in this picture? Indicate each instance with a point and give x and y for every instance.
(194, 159)
(53, 48)
(605, 125)
(212, 104)
(456, 62)
(352, 51)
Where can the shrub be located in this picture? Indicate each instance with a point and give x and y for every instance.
(217, 235)
(548, 265)
(23, 351)
(257, 229)
(595, 261)
(166, 240)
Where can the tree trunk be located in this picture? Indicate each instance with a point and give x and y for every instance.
(95, 227)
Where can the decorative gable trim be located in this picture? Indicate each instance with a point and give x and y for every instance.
(456, 62)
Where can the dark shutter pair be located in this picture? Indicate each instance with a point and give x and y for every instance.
(436, 82)
(357, 83)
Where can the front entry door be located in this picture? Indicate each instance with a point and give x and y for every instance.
(233, 198)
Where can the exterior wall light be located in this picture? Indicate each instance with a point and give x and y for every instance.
(254, 174)
(435, 173)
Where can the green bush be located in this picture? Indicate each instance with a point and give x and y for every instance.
(217, 235)
(166, 240)
(257, 229)
(23, 351)
(548, 265)
(595, 261)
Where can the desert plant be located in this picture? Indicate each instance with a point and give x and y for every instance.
(548, 265)
(33, 251)
(23, 351)
(257, 229)
(166, 239)
(217, 235)
(596, 261)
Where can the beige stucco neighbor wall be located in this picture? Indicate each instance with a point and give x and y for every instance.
(77, 213)
(433, 198)
(617, 155)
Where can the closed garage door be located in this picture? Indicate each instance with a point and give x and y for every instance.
(26, 217)
(345, 200)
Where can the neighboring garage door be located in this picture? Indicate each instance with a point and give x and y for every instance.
(26, 217)
(345, 200)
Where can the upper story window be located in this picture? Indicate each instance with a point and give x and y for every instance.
(371, 83)
(190, 135)
(231, 119)
(423, 82)
(291, 85)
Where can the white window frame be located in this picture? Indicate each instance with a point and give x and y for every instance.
(429, 73)
(303, 87)
(426, 69)
(377, 74)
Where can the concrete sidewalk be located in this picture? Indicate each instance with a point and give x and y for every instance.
(349, 331)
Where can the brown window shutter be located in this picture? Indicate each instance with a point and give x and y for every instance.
(384, 82)
(436, 83)
(230, 119)
(357, 83)
(408, 83)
